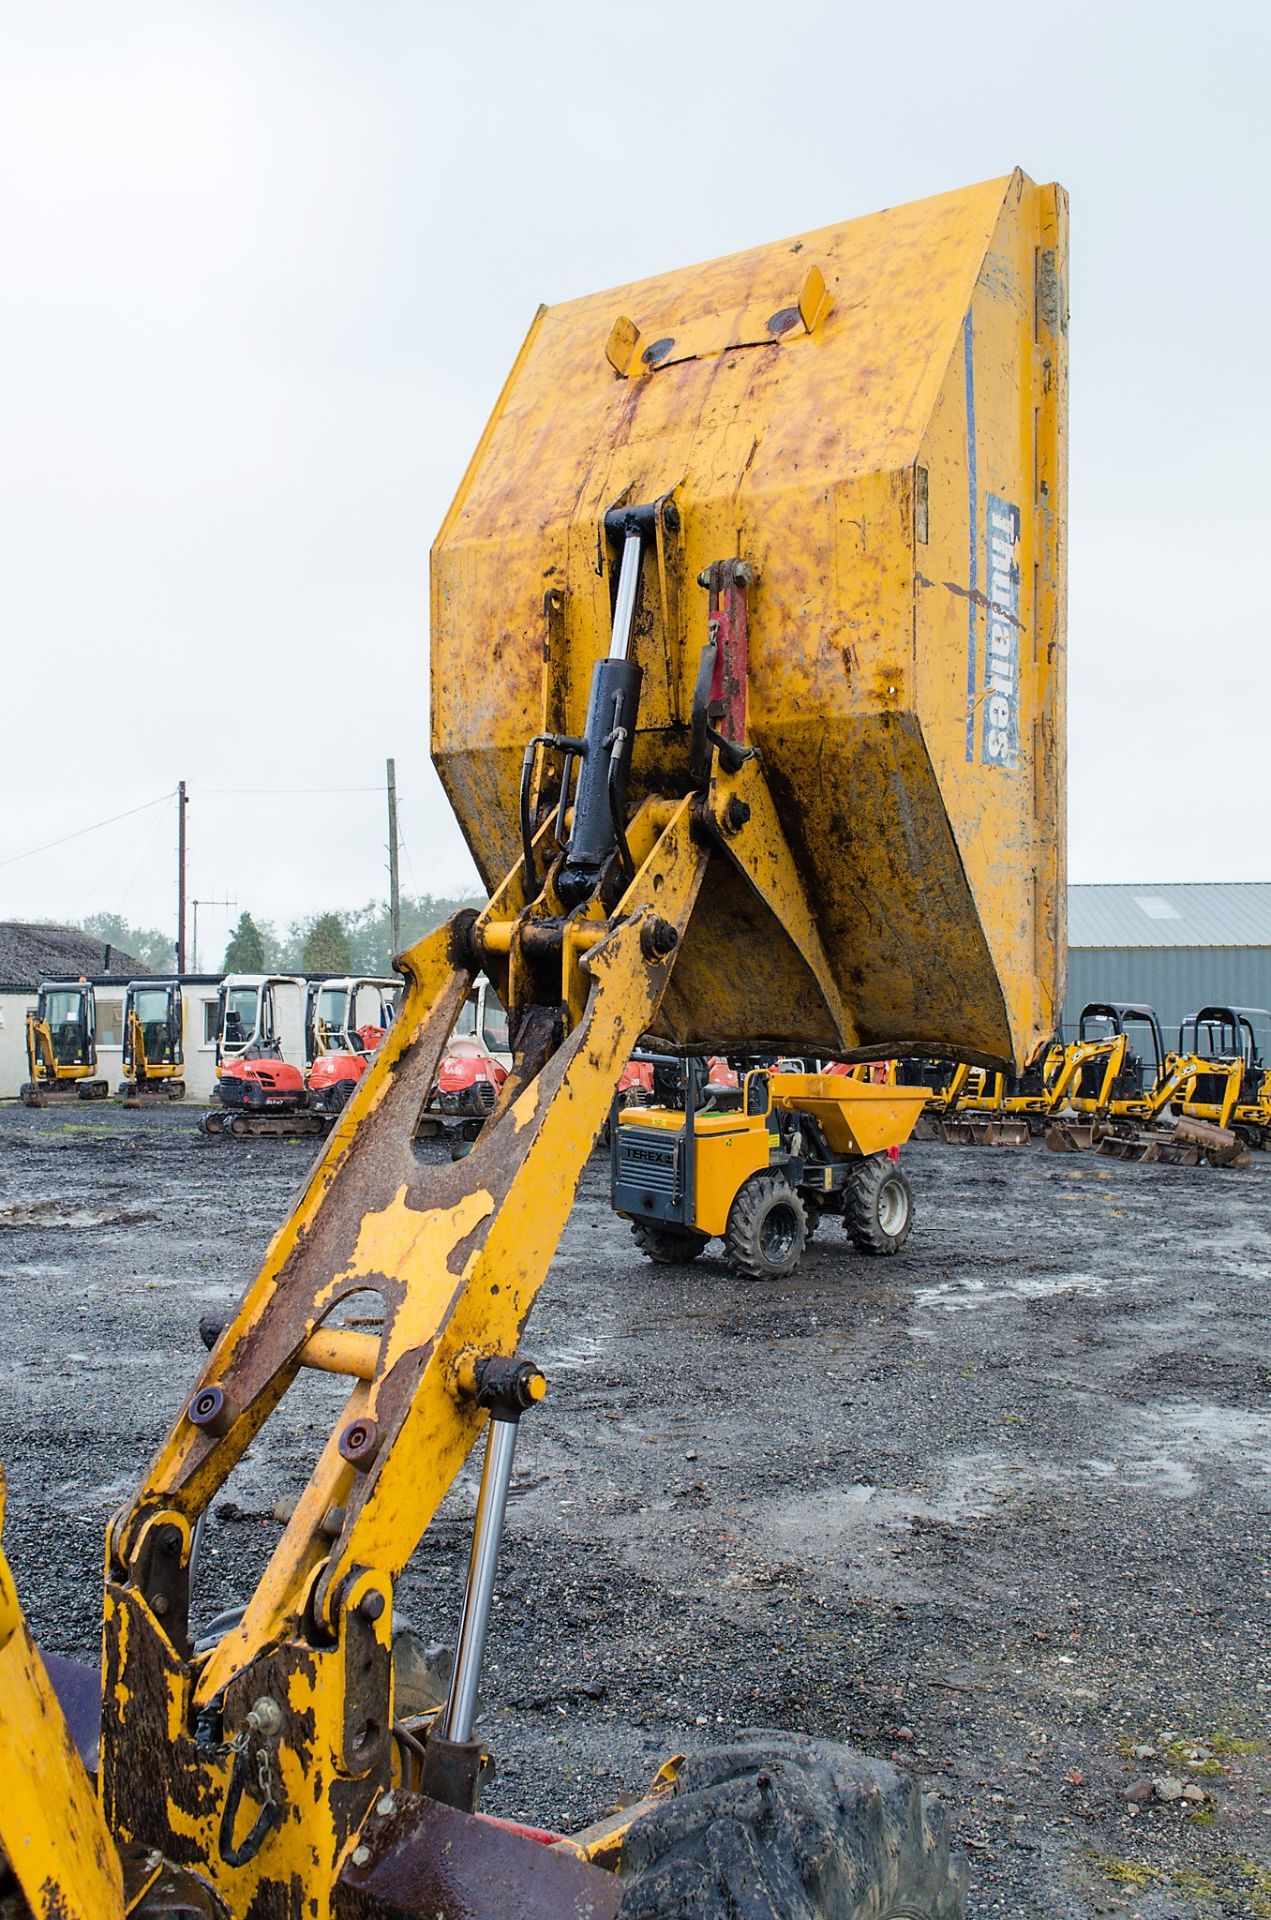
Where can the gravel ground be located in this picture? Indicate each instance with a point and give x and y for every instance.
(996, 1508)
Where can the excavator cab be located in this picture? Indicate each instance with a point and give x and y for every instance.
(153, 1041)
(1144, 1060)
(246, 1017)
(61, 1042)
(352, 1015)
(1227, 1033)
(258, 1090)
(1237, 1092)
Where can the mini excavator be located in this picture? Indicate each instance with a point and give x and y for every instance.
(61, 1045)
(153, 1042)
(748, 692)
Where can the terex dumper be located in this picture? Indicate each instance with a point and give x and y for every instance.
(747, 683)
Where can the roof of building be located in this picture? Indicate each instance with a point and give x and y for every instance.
(1174, 914)
(30, 953)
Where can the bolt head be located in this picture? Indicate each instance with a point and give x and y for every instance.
(658, 939)
(359, 1443)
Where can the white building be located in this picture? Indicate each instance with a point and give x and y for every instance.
(31, 954)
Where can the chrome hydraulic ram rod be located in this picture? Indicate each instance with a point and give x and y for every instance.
(451, 1767)
(460, 1710)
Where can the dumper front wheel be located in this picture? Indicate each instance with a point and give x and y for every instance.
(668, 1246)
(786, 1828)
(878, 1206)
(767, 1228)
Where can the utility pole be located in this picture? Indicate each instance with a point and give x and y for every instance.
(394, 890)
(181, 804)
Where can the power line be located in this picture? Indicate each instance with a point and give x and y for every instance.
(142, 858)
(147, 834)
(203, 793)
(81, 831)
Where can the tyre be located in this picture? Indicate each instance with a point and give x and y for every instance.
(878, 1205)
(787, 1828)
(767, 1228)
(665, 1244)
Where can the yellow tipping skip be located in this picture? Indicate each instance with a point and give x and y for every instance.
(873, 416)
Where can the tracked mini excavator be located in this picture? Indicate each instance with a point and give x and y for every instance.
(61, 1045)
(1129, 1098)
(747, 689)
(1232, 1088)
(153, 1042)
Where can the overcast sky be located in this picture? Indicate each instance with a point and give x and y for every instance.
(266, 265)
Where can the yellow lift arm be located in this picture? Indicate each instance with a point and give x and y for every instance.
(793, 699)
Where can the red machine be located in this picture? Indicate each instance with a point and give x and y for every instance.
(348, 1019)
(468, 1080)
(259, 1090)
(259, 1084)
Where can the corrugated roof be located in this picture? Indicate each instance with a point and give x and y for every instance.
(1173, 914)
(31, 953)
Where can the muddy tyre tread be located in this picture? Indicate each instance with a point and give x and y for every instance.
(667, 1245)
(753, 1202)
(861, 1205)
(783, 1827)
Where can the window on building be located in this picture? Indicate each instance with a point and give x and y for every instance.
(110, 1023)
(209, 1023)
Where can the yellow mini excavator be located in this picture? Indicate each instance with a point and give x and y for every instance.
(1127, 1098)
(61, 1045)
(994, 1108)
(748, 692)
(154, 1042)
(1232, 1083)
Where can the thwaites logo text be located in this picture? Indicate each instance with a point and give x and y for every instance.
(999, 738)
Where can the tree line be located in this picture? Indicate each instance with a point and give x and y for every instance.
(357, 942)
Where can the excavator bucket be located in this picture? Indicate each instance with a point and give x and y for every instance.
(1144, 1145)
(983, 1130)
(1185, 1144)
(869, 420)
(1075, 1136)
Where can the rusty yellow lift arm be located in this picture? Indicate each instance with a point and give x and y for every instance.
(747, 654)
